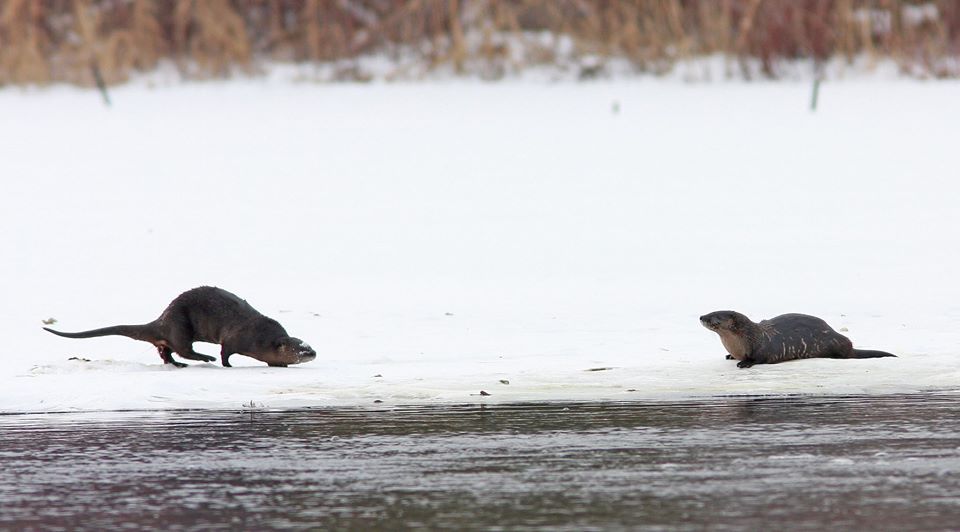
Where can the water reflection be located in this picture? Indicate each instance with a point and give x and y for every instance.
(889, 462)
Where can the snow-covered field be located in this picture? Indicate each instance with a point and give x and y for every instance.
(431, 240)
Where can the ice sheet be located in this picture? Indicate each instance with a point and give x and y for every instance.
(450, 235)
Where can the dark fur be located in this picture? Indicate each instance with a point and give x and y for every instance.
(786, 337)
(208, 314)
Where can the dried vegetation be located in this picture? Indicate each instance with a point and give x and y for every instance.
(44, 41)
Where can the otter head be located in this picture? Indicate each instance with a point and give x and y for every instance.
(725, 320)
(287, 350)
(735, 331)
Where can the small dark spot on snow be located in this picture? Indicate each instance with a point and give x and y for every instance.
(504, 381)
(377, 401)
(49, 321)
(378, 376)
(632, 390)
(448, 313)
(81, 359)
(483, 393)
(597, 369)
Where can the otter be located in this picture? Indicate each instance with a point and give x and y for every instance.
(786, 337)
(210, 314)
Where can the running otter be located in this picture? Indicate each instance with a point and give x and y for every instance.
(786, 337)
(208, 314)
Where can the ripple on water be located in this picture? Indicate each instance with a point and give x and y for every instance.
(737, 462)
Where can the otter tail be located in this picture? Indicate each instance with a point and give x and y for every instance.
(869, 353)
(137, 332)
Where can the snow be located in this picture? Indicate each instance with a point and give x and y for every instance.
(430, 240)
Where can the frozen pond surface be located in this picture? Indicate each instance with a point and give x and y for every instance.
(888, 462)
(449, 236)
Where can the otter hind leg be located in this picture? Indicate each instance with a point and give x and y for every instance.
(167, 356)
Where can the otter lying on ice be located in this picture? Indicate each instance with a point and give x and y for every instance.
(786, 337)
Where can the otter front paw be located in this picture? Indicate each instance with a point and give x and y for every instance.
(729, 357)
(746, 363)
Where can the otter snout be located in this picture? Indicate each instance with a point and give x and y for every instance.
(297, 351)
(287, 351)
(305, 353)
(708, 321)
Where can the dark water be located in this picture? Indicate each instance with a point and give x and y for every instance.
(879, 463)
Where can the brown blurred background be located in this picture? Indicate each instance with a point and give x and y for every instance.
(43, 41)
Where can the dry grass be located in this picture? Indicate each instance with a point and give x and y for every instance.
(42, 41)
